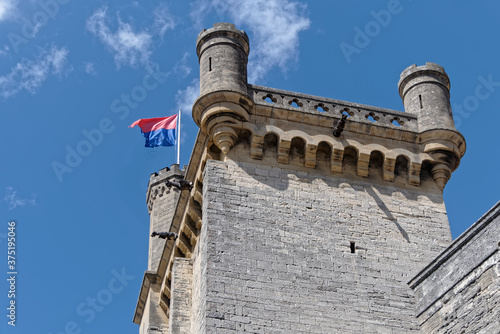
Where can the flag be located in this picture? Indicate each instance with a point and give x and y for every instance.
(159, 131)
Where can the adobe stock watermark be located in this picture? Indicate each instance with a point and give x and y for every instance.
(94, 137)
(30, 26)
(88, 309)
(363, 36)
(471, 103)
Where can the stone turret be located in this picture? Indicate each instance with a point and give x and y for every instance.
(425, 91)
(223, 55)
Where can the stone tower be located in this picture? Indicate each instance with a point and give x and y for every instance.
(161, 200)
(290, 229)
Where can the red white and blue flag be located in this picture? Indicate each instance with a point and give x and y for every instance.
(159, 131)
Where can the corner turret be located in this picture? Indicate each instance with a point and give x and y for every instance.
(223, 56)
(425, 91)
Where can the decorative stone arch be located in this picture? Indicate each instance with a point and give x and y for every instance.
(285, 144)
(258, 134)
(312, 150)
(289, 135)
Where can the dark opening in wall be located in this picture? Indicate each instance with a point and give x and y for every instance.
(165, 299)
(270, 144)
(402, 166)
(353, 247)
(324, 152)
(376, 163)
(297, 148)
(209, 64)
(350, 159)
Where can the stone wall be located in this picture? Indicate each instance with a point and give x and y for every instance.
(181, 301)
(459, 292)
(284, 251)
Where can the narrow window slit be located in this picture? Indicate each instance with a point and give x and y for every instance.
(421, 104)
(353, 247)
(209, 64)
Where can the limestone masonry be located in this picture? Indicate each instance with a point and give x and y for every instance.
(290, 229)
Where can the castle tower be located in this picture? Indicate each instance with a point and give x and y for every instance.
(161, 200)
(290, 229)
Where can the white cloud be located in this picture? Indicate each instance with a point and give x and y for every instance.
(30, 74)
(182, 68)
(89, 68)
(275, 25)
(14, 201)
(163, 20)
(7, 8)
(185, 98)
(129, 47)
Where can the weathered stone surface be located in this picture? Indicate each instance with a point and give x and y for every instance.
(154, 319)
(275, 251)
(459, 292)
(180, 303)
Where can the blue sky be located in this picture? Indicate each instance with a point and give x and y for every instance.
(75, 74)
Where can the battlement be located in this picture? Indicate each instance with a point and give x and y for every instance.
(222, 29)
(427, 72)
(156, 185)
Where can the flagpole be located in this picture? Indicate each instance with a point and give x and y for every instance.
(179, 140)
